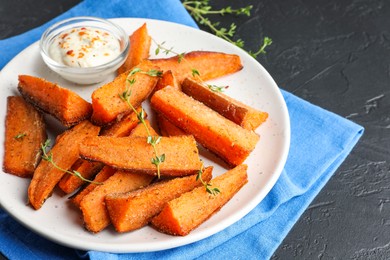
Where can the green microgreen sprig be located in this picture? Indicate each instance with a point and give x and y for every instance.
(125, 96)
(200, 9)
(49, 158)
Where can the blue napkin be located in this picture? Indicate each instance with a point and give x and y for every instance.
(320, 141)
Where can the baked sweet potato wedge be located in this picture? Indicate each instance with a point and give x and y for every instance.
(232, 109)
(106, 101)
(135, 154)
(91, 202)
(213, 131)
(87, 169)
(102, 176)
(108, 171)
(65, 105)
(167, 128)
(181, 215)
(210, 65)
(140, 42)
(124, 126)
(95, 214)
(24, 134)
(167, 79)
(64, 154)
(140, 130)
(133, 210)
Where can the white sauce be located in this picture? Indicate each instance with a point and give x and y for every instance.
(84, 47)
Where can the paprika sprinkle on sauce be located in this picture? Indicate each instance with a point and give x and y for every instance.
(84, 47)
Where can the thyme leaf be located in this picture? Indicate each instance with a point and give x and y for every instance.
(131, 81)
(195, 72)
(153, 73)
(133, 71)
(20, 136)
(158, 159)
(217, 88)
(180, 57)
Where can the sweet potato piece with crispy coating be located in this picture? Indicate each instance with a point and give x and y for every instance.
(124, 126)
(181, 215)
(167, 79)
(133, 210)
(106, 101)
(210, 65)
(232, 109)
(102, 176)
(24, 134)
(140, 42)
(140, 130)
(135, 154)
(216, 133)
(64, 154)
(69, 183)
(167, 128)
(64, 104)
(95, 214)
(108, 171)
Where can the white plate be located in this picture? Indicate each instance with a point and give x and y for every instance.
(59, 222)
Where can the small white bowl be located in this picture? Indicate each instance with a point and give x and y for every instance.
(84, 75)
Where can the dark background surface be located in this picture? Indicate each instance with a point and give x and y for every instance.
(335, 54)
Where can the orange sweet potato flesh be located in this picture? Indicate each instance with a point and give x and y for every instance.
(210, 65)
(24, 134)
(102, 176)
(106, 102)
(230, 108)
(124, 126)
(108, 171)
(64, 104)
(140, 42)
(167, 79)
(213, 131)
(181, 215)
(135, 154)
(167, 128)
(64, 153)
(140, 130)
(70, 183)
(133, 210)
(92, 205)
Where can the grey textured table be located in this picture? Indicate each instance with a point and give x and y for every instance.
(335, 54)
